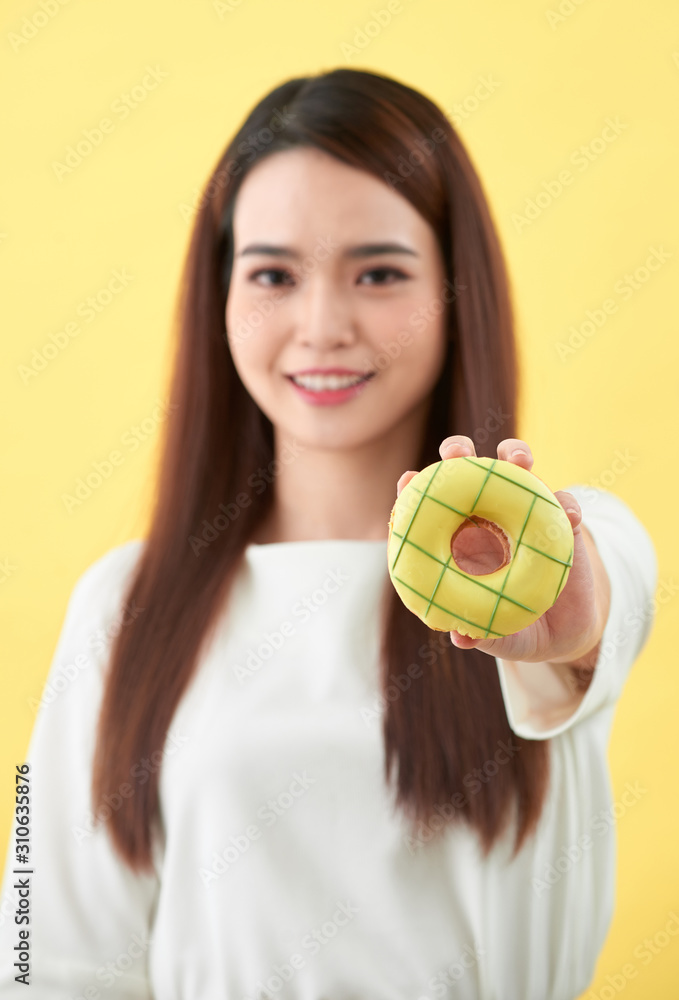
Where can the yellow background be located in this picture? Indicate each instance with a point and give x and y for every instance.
(555, 84)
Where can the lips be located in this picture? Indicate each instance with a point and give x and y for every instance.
(329, 389)
(332, 382)
(328, 371)
(331, 377)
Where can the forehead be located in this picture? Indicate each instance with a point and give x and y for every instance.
(305, 191)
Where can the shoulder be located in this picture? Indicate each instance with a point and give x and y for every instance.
(103, 583)
(95, 610)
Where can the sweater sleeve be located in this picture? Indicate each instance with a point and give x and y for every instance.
(538, 702)
(90, 915)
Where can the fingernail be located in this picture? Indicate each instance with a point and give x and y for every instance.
(462, 446)
(519, 452)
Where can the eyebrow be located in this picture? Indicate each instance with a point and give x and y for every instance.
(363, 250)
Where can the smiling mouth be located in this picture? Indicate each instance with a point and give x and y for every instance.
(328, 383)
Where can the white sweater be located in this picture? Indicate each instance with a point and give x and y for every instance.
(285, 870)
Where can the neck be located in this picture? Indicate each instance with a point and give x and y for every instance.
(322, 493)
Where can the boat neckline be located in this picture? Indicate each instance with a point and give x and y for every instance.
(366, 542)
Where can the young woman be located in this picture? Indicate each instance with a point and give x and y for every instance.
(255, 773)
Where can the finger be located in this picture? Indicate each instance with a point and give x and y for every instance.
(403, 481)
(571, 506)
(462, 641)
(517, 451)
(456, 446)
(468, 642)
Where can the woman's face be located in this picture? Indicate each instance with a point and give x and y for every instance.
(313, 286)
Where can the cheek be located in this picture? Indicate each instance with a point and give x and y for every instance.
(405, 336)
(251, 351)
(255, 323)
(242, 306)
(430, 333)
(415, 356)
(236, 318)
(249, 331)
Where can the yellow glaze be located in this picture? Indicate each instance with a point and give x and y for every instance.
(427, 514)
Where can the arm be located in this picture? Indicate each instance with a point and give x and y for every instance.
(576, 671)
(90, 916)
(544, 699)
(575, 658)
(546, 694)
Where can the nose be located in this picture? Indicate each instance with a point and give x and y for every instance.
(324, 319)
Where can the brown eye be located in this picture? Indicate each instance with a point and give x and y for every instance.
(399, 275)
(275, 271)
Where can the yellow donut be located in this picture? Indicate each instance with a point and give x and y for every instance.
(517, 506)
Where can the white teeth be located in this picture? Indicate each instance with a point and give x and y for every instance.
(317, 383)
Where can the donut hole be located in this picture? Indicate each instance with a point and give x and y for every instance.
(480, 546)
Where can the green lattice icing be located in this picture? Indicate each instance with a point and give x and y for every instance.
(433, 506)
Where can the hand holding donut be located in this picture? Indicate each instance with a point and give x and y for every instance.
(496, 570)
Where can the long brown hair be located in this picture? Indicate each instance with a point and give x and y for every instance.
(445, 728)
